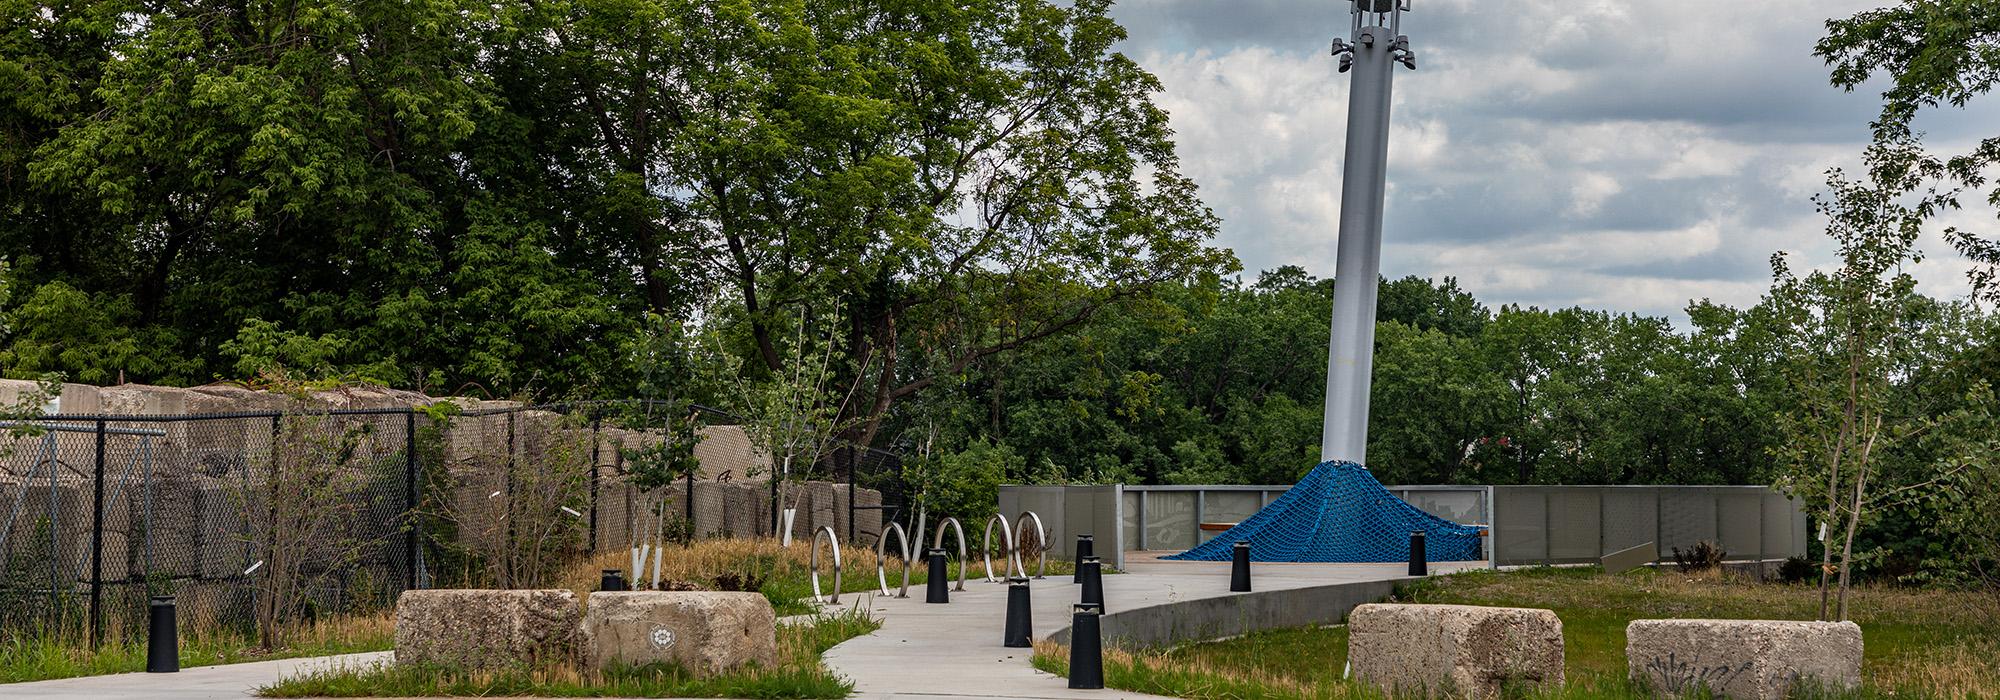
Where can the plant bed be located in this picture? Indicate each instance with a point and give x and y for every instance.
(799, 674)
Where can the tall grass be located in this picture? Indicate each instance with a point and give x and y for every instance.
(48, 657)
(798, 674)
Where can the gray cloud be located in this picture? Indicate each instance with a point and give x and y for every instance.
(1630, 156)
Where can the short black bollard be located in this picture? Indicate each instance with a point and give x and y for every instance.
(1419, 565)
(1093, 581)
(612, 580)
(163, 648)
(1239, 567)
(1020, 622)
(1086, 648)
(1084, 546)
(937, 588)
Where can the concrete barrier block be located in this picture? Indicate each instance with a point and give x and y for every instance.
(704, 632)
(1756, 659)
(485, 629)
(1459, 650)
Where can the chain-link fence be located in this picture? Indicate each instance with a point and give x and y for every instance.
(256, 518)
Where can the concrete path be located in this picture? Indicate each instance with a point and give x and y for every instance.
(954, 650)
(225, 682)
(923, 651)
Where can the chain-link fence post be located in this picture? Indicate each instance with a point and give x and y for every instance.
(97, 543)
(848, 452)
(596, 444)
(411, 523)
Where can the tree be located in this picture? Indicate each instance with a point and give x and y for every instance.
(1846, 343)
(1935, 52)
(795, 417)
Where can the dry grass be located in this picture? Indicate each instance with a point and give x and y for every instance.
(782, 573)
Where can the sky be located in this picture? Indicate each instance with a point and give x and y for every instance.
(1623, 155)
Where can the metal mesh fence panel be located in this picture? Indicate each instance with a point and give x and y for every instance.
(258, 519)
(1580, 524)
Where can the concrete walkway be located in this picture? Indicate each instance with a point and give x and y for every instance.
(954, 650)
(224, 682)
(922, 650)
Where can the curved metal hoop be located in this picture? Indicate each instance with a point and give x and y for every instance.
(834, 540)
(1041, 550)
(881, 559)
(937, 542)
(1007, 556)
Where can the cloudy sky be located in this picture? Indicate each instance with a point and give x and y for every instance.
(1619, 154)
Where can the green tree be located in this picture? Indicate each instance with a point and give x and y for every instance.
(1934, 53)
(1846, 341)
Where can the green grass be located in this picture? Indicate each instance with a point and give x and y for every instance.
(799, 674)
(1920, 643)
(48, 657)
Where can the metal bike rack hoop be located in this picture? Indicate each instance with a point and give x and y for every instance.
(1006, 552)
(937, 542)
(881, 559)
(834, 540)
(1041, 550)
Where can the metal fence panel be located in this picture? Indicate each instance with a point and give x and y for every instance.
(1739, 525)
(1520, 524)
(1631, 518)
(1687, 516)
(1170, 520)
(1575, 522)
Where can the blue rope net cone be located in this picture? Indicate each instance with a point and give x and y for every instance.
(1340, 513)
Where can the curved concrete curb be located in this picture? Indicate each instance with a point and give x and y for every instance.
(1201, 619)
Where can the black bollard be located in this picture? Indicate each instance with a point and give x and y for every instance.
(163, 649)
(1093, 581)
(1239, 567)
(1418, 563)
(1019, 620)
(1084, 546)
(612, 580)
(937, 590)
(1086, 648)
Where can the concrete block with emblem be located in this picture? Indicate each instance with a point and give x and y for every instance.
(706, 632)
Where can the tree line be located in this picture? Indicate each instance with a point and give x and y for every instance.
(965, 218)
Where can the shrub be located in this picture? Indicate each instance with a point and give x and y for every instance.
(1703, 556)
(1797, 569)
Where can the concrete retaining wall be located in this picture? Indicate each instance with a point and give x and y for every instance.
(1232, 615)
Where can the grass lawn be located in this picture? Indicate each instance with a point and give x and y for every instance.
(1920, 643)
(799, 674)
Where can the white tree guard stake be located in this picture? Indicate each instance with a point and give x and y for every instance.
(881, 559)
(1041, 550)
(833, 540)
(1006, 552)
(937, 542)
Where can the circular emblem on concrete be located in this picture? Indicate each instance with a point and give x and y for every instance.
(662, 637)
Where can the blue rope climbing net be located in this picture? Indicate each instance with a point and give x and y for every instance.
(1340, 513)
